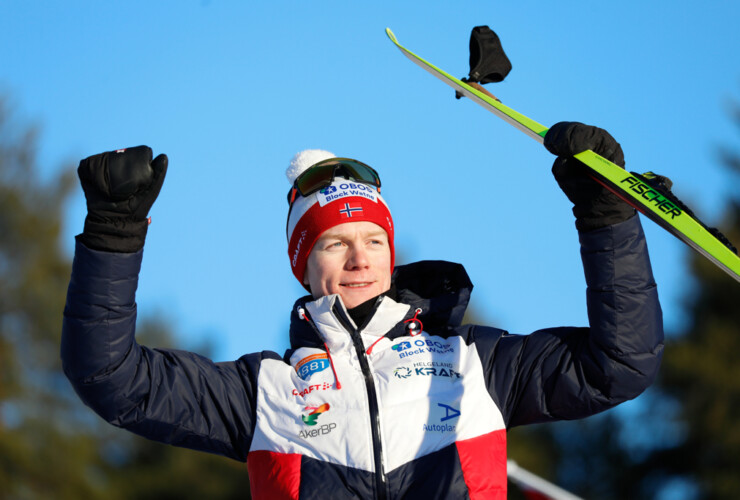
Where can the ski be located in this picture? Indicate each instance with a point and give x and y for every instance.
(659, 206)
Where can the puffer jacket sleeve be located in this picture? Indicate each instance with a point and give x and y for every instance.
(171, 396)
(568, 372)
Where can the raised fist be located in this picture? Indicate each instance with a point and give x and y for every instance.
(120, 188)
(593, 205)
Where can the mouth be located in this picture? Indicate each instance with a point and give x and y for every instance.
(361, 284)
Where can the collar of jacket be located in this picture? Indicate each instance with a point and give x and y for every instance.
(331, 330)
(440, 289)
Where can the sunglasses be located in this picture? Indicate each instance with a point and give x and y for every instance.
(322, 174)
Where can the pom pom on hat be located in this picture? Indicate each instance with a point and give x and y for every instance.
(301, 161)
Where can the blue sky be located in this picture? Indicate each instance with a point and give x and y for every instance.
(231, 90)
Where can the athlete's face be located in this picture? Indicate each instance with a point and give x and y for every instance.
(353, 260)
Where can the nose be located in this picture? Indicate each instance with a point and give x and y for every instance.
(357, 258)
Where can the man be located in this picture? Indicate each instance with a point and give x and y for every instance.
(383, 393)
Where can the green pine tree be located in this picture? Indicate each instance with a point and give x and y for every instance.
(701, 373)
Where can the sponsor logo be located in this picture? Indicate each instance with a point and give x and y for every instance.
(310, 417)
(311, 388)
(438, 428)
(432, 363)
(312, 413)
(652, 196)
(318, 431)
(344, 190)
(426, 371)
(401, 346)
(421, 346)
(311, 364)
(298, 248)
(402, 372)
(450, 413)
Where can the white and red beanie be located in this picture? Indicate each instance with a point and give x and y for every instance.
(343, 201)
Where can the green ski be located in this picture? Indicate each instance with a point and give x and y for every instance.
(637, 190)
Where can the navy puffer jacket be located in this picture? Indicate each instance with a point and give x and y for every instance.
(376, 410)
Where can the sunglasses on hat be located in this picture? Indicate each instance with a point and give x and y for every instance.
(323, 173)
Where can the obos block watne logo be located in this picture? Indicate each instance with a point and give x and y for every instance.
(401, 346)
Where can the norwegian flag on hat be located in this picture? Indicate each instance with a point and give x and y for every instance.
(348, 210)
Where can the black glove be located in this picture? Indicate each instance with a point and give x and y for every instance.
(593, 205)
(120, 187)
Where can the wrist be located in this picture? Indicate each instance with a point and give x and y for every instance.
(114, 235)
(608, 216)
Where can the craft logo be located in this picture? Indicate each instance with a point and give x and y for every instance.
(313, 414)
(450, 413)
(404, 372)
(308, 390)
(344, 190)
(652, 196)
(298, 248)
(310, 417)
(421, 346)
(312, 364)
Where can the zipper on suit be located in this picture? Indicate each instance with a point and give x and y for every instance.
(381, 486)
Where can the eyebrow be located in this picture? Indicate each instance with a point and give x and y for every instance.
(337, 236)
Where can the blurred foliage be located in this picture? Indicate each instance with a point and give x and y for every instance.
(701, 372)
(51, 446)
(680, 439)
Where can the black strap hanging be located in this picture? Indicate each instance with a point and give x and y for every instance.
(488, 62)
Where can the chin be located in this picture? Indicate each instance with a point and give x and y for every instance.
(355, 299)
(349, 303)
